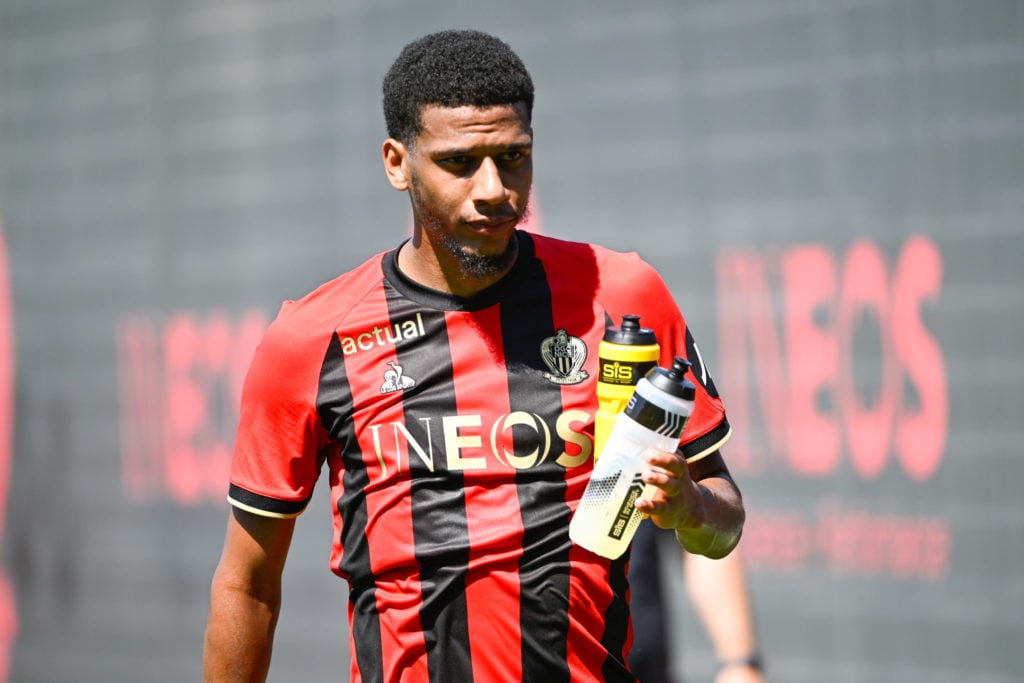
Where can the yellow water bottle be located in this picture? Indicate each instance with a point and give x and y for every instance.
(625, 355)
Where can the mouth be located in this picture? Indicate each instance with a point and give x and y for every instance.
(495, 223)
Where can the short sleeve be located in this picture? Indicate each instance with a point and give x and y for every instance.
(276, 458)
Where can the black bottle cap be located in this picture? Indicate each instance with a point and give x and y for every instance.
(673, 381)
(630, 333)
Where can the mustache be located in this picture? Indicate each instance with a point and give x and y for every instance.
(501, 214)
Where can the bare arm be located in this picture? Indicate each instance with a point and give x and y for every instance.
(718, 592)
(245, 598)
(699, 500)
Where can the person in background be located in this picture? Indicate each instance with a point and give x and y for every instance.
(448, 388)
(718, 591)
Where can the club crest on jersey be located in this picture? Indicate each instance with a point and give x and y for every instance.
(394, 380)
(564, 355)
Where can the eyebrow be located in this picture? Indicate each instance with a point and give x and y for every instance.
(470, 151)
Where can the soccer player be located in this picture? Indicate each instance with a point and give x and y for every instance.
(448, 386)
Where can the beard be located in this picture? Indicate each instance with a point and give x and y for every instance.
(472, 264)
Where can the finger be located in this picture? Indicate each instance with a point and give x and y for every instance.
(666, 482)
(672, 461)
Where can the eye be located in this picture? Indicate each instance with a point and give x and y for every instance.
(512, 159)
(457, 161)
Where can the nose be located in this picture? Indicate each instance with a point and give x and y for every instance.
(489, 185)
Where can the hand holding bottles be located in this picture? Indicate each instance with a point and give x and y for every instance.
(647, 432)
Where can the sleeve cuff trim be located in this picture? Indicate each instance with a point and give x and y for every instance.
(708, 443)
(264, 505)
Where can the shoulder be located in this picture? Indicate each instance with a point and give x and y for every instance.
(607, 269)
(329, 302)
(311, 320)
(555, 253)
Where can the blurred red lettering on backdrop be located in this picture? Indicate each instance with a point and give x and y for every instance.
(181, 379)
(847, 542)
(801, 373)
(830, 355)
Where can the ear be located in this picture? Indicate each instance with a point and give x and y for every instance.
(395, 156)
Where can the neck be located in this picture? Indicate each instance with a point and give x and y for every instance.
(435, 268)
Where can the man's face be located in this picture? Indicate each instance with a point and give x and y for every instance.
(469, 173)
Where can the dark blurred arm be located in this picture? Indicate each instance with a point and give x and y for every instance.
(718, 592)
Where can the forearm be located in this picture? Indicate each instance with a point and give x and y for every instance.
(239, 636)
(718, 592)
(714, 530)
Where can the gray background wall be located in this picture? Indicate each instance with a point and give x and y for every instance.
(170, 171)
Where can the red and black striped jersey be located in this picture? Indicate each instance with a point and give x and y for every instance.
(458, 434)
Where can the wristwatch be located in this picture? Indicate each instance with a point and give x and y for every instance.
(752, 661)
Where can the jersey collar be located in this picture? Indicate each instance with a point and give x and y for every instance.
(433, 298)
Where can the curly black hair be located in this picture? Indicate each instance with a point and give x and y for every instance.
(452, 68)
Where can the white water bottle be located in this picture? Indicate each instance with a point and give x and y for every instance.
(606, 518)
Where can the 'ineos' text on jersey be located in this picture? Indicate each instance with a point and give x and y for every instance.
(469, 444)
